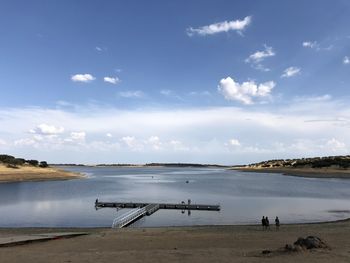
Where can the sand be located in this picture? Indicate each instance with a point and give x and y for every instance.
(302, 172)
(183, 244)
(29, 173)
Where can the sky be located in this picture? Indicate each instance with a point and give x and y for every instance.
(227, 82)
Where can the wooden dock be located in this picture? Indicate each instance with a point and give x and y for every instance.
(141, 209)
(180, 206)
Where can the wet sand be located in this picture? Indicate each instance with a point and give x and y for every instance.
(27, 173)
(183, 244)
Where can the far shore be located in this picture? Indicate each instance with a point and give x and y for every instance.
(28, 173)
(301, 172)
(232, 243)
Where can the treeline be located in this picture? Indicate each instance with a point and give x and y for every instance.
(315, 162)
(183, 165)
(67, 164)
(14, 162)
(117, 164)
(147, 165)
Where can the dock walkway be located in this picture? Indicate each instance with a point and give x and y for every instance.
(134, 215)
(141, 209)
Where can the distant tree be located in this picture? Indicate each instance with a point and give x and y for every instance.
(19, 161)
(43, 164)
(4, 158)
(33, 162)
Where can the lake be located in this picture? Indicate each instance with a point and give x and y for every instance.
(244, 197)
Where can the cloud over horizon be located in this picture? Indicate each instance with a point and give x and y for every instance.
(304, 127)
(46, 129)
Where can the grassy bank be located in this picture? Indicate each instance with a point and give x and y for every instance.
(302, 172)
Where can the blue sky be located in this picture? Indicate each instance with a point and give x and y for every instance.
(174, 81)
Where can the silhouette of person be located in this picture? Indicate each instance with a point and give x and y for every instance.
(263, 222)
(267, 223)
(277, 222)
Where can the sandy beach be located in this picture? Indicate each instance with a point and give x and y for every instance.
(29, 173)
(183, 244)
(301, 172)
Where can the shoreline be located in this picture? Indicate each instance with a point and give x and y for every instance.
(301, 172)
(97, 228)
(345, 220)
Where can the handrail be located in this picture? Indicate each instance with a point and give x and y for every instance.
(128, 217)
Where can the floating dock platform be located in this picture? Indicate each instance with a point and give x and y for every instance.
(180, 206)
(140, 209)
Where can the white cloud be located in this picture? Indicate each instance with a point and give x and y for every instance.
(129, 140)
(225, 26)
(132, 143)
(256, 58)
(259, 56)
(86, 78)
(46, 129)
(290, 72)
(112, 80)
(246, 91)
(336, 145)
(234, 142)
(155, 142)
(109, 135)
(76, 137)
(310, 44)
(346, 60)
(131, 94)
(316, 46)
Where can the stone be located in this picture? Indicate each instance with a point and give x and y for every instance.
(310, 242)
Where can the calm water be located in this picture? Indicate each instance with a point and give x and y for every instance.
(244, 197)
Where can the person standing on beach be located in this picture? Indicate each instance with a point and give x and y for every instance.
(277, 222)
(263, 222)
(267, 223)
